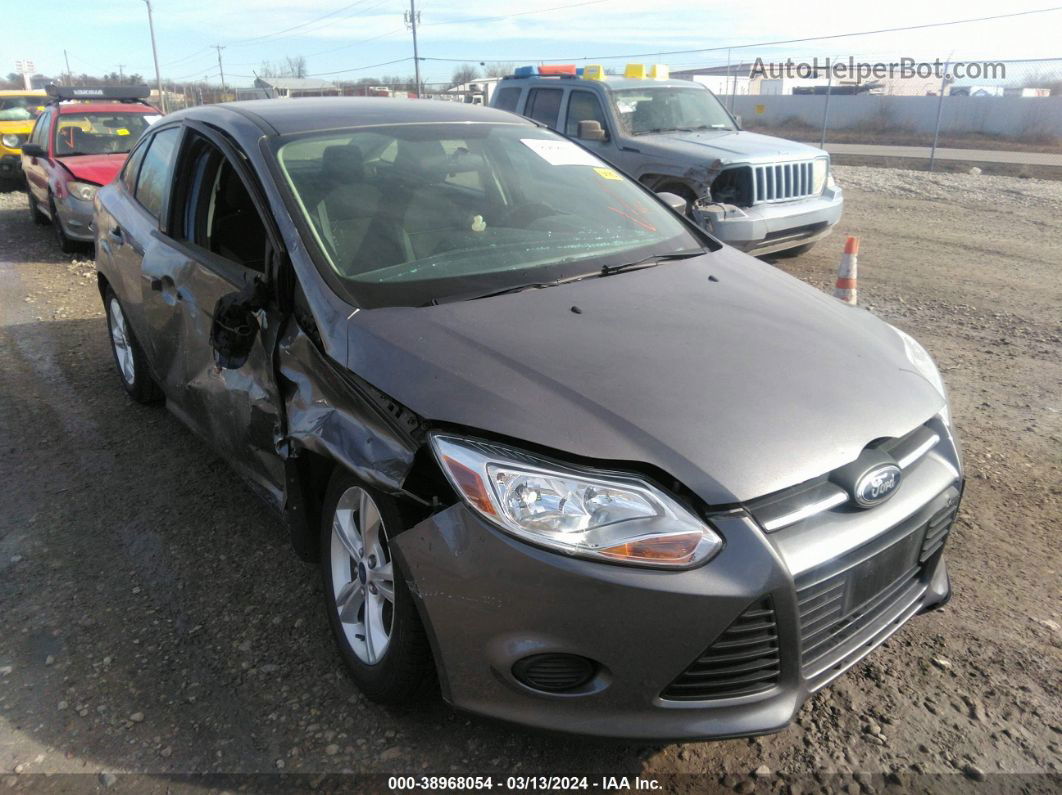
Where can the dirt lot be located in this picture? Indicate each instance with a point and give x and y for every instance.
(155, 621)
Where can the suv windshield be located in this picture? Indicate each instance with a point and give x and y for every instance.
(20, 108)
(655, 109)
(416, 213)
(99, 133)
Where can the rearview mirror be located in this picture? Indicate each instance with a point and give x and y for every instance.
(591, 130)
(33, 150)
(674, 201)
(233, 331)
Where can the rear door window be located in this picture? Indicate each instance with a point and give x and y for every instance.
(507, 98)
(543, 105)
(132, 166)
(153, 181)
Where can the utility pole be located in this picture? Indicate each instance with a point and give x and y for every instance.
(121, 74)
(155, 55)
(221, 69)
(69, 74)
(412, 18)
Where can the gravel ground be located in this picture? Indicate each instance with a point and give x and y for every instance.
(155, 621)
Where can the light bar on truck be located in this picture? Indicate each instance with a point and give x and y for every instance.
(638, 71)
(113, 93)
(594, 71)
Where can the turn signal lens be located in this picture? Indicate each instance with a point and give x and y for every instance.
(677, 549)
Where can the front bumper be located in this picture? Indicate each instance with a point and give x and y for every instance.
(489, 601)
(10, 167)
(76, 216)
(770, 227)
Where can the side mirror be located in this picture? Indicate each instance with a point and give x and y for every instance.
(674, 201)
(233, 331)
(33, 150)
(591, 130)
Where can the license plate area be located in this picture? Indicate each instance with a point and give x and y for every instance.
(873, 576)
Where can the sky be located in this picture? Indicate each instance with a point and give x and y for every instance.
(340, 39)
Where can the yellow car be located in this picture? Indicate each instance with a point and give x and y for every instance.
(18, 112)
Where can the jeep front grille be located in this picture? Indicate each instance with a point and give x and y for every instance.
(779, 182)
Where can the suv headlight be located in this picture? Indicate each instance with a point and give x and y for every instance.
(820, 167)
(82, 190)
(923, 363)
(12, 141)
(604, 516)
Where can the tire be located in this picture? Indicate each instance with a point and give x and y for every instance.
(66, 245)
(129, 357)
(388, 656)
(39, 218)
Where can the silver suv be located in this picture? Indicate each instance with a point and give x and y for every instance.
(754, 192)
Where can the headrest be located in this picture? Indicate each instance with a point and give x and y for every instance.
(343, 163)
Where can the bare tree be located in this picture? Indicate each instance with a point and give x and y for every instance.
(296, 67)
(499, 69)
(465, 73)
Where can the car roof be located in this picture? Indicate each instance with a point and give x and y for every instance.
(286, 116)
(105, 107)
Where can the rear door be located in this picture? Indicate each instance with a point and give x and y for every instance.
(34, 167)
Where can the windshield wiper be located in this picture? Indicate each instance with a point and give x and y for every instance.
(516, 288)
(649, 262)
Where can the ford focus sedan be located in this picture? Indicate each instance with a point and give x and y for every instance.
(551, 445)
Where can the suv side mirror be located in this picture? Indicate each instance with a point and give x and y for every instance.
(674, 201)
(591, 130)
(33, 150)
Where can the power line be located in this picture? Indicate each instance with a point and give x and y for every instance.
(361, 68)
(300, 25)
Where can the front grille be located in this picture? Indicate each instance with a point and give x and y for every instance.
(847, 611)
(742, 661)
(776, 182)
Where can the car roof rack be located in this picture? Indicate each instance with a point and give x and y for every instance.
(131, 94)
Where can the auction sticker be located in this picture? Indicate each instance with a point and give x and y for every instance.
(560, 153)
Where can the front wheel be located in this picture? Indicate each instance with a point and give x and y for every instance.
(370, 609)
(66, 245)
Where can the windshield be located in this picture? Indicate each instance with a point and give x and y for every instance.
(657, 109)
(416, 213)
(20, 108)
(99, 133)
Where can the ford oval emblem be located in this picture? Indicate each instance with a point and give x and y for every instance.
(877, 485)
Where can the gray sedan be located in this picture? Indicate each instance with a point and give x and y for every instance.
(550, 444)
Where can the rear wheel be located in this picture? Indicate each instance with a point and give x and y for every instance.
(370, 609)
(128, 356)
(66, 245)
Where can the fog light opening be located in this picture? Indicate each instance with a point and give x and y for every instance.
(554, 673)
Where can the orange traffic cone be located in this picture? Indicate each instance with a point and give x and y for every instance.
(845, 289)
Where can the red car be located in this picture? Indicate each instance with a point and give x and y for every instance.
(79, 143)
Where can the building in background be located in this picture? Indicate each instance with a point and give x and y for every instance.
(292, 87)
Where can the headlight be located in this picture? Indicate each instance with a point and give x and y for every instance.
(604, 516)
(923, 363)
(12, 141)
(819, 168)
(831, 183)
(83, 190)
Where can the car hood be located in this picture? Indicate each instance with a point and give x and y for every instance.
(736, 387)
(100, 169)
(732, 146)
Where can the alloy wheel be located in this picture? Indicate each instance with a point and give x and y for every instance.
(362, 575)
(123, 349)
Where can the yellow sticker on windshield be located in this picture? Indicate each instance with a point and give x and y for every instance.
(121, 131)
(607, 173)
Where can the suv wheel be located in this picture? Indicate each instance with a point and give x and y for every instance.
(370, 609)
(128, 356)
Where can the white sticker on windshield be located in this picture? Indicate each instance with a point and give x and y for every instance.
(560, 153)
(151, 118)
